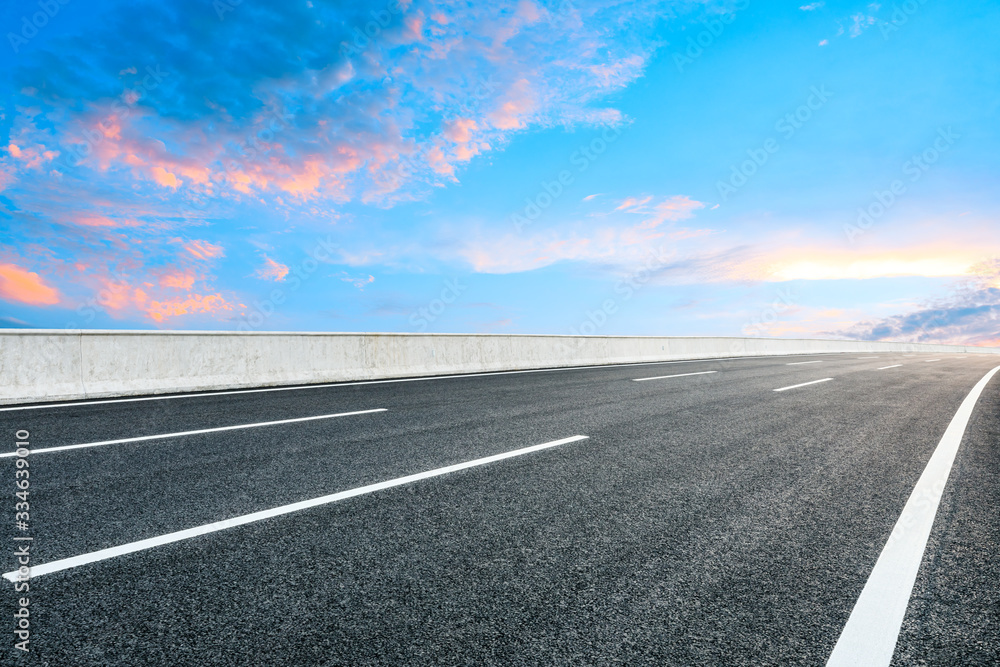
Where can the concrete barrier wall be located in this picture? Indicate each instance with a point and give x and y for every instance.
(48, 365)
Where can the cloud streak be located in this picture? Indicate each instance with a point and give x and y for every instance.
(622, 236)
(970, 315)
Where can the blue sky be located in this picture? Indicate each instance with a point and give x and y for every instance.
(676, 168)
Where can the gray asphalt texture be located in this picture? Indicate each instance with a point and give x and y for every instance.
(707, 520)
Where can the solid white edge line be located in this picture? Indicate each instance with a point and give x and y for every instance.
(179, 434)
(867, 357)
(885, 368)
(200, 394)
(927, 361)
(803, 363)
(665, 377)
(870, 635)
(804, 384)
(142, 545)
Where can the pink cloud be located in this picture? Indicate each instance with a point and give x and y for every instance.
(619, 73)
(164, 177)
(17, 284)
(204, 249)
(6, 179)
(159, 311)
(306, 181)
(678, 207)
(460, 130)
(178, 280)
(116, 295)
(414, 27)
(513, 112)
(465, 152)
(99, 221)
(31, 157)
(528, 11)
(439, 162)
(271, 270)
(359, 283)
(121, 297)
(632, 203)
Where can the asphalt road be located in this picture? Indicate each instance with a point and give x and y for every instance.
(705, 519)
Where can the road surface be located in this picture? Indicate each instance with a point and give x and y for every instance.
(704, 519)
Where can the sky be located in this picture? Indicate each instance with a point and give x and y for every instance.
(740, 167)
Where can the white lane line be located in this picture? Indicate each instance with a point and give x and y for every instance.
(201, 394)
(869, 638)
(804, 384)
(884, 368)
(179, 434)
(665, 377)
(803, 363)
(142, 545)
(930, 360)
(867, 357)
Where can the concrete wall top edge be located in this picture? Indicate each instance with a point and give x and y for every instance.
(175, 332)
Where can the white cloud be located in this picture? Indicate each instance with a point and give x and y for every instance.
(969, 315)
